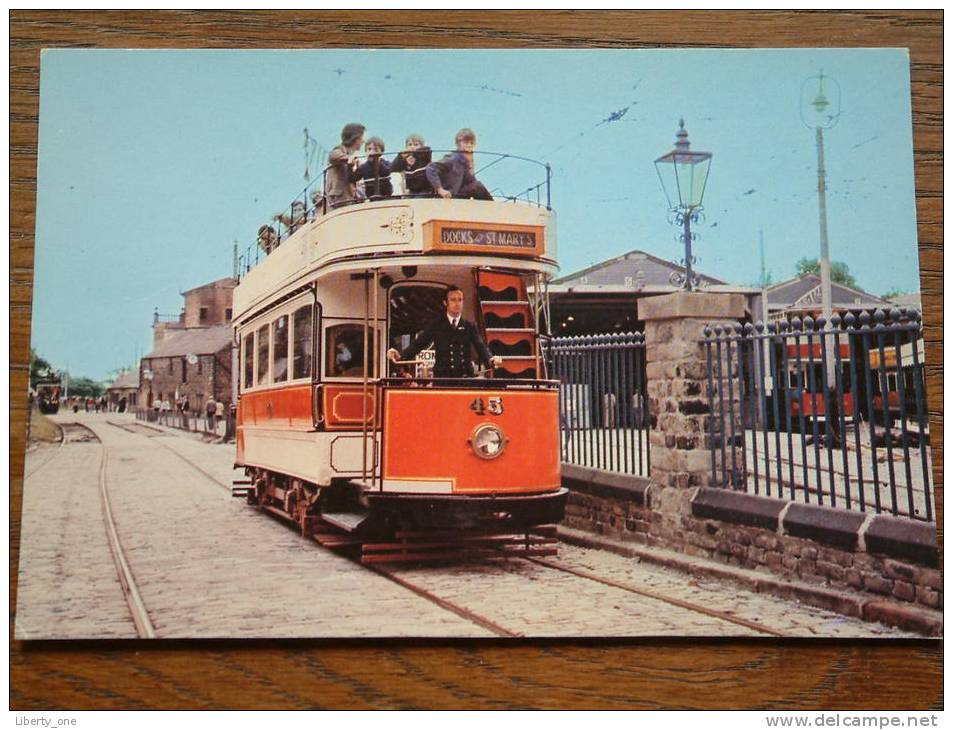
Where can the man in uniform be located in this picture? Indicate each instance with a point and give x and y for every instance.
(452, 337)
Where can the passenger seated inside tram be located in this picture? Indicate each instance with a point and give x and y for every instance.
(452, 337)
(412, 164)
(267, 239)
(297, 218)
(453, 177)
(374, 171)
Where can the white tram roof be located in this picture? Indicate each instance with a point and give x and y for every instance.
(423, 232)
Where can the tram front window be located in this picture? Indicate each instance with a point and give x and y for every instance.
(345, 351)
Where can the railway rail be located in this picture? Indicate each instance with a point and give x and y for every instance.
(452, 586)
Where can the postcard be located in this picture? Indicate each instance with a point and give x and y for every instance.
(485, 343)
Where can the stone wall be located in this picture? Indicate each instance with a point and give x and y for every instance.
(876, 557)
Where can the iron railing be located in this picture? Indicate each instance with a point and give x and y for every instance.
(832, 413)
(194, 421)
(503, 181)
(603, 409)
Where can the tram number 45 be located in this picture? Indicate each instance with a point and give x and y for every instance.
(494, 406)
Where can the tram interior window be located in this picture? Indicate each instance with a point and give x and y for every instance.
(302, 343)
(345, 351)
(279, 370)
(249, 360)
(262, 360)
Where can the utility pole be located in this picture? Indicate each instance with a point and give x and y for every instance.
(820, 114)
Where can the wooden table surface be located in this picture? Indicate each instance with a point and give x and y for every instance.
(492, 675)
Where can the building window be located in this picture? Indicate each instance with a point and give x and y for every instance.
(228, 314)
(171, 366)
(184, 375)
(203, 314)
(302, 343)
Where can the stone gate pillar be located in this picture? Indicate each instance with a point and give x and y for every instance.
(677, 381)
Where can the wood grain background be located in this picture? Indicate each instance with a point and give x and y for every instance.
(479, 674)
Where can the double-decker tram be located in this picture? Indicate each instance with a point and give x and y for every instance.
(331, 431)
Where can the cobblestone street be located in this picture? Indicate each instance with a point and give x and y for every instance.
(207, 565)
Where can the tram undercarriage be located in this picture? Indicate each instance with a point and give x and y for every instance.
(396, 527)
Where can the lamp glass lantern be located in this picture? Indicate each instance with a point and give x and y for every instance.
(683, 173)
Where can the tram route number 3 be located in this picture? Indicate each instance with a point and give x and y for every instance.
(494, 406)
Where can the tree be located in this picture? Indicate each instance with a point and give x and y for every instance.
(40, 369)
(894, 292)
(839, 271)
(85, 388)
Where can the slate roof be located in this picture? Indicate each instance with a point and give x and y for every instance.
(194, 341)
(644, 269)
(128, 379)
(787, 293)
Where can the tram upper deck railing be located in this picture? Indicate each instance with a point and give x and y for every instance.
(508, 178)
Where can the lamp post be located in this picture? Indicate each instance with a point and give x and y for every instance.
(683, 174)
(818, 113)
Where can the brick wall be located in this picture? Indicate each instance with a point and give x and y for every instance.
(215, 298)
(876, 556)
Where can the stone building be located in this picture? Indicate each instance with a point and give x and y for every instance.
(192, 351)
(125, 386)
(194, 363)
(208, 305)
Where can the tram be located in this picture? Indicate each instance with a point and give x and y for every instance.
(48, 397)
(328, 430)
(805, 376)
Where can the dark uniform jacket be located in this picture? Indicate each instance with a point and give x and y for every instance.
(451, 347)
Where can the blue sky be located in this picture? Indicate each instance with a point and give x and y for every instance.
(152, 163)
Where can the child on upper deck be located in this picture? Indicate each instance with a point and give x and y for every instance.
(374, 171)
(453, 177)
(412, 162)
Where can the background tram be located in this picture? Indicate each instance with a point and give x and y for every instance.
(48, 397)
(328, 429)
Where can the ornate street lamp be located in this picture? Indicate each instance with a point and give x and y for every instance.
(683, 174)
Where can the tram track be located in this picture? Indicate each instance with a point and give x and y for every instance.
(76, 433)
(680, 603)
(137, 607)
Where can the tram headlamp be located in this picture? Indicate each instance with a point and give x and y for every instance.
(487, 441)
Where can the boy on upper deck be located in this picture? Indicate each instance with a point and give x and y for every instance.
(342, 161)
(412, 162)
(452, 177)
(375, 171)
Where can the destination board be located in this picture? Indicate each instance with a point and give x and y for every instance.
(473, 237)
(477, 237)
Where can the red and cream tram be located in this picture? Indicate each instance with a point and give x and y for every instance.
(329, 428)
